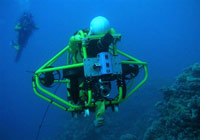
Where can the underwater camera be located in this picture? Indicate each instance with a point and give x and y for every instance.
(89, 80)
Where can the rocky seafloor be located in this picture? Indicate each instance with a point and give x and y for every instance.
(180, 111)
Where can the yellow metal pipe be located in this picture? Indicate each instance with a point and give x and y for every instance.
(54, 96)
(51, 61)
(89, 98)
(139, 85)
(120, 94)
(60, 68)
(84, 51)
(133, 62)
(38, 94)
(114, 49)
(62, 81)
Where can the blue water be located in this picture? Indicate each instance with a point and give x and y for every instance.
(166, 34)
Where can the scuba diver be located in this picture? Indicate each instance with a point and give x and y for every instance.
(93, 64)
(24, 27)
(98, 26)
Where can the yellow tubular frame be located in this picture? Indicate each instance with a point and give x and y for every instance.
(67, 105)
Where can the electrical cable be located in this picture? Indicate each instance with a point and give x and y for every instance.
(44, 115)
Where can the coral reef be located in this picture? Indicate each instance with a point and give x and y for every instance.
(180, 111)
(128, 137)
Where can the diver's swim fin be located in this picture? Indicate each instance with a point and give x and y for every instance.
(15, 45)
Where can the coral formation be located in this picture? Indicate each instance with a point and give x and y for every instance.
(128, 137)
(180, 111)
